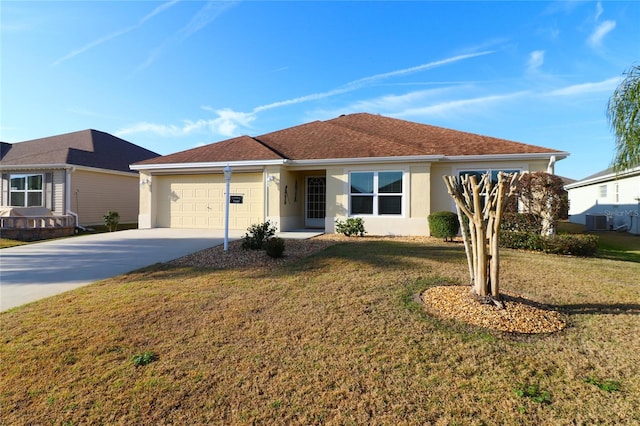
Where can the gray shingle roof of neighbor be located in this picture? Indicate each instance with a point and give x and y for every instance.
(359, 135)
(90, 148)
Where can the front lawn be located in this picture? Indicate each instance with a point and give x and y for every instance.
(336, 338)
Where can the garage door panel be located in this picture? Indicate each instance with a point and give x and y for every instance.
(197, 201)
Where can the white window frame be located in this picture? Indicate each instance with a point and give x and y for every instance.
(602, 191)
(489, 170)
(26, 191)
(376, 195)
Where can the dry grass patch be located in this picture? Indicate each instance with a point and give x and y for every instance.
(334, 338)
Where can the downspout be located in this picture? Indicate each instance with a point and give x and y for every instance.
(550, 167)
(67, 196)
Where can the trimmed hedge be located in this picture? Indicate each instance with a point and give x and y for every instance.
(565, 244)
(444, 225)
(573, 244)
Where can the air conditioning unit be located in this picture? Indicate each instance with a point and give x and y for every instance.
(596, 222)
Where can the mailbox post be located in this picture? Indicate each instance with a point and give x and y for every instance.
(227, 196)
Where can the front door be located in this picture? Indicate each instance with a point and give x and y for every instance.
(316, 201)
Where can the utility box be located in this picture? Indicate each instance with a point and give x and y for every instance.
(596, 222)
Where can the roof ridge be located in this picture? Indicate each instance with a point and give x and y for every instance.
(269, 147)
(374, 134)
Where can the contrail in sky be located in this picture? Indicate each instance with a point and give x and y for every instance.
(108, 37)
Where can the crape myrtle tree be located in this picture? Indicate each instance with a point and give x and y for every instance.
(480, 206)
(543, 195)
(623, 112)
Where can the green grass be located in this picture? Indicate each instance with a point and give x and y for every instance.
(337, 338)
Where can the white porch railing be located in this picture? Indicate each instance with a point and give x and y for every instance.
(36, 222)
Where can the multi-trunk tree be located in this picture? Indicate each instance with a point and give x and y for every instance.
(480, 206)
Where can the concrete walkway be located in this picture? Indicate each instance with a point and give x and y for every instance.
(38, 270)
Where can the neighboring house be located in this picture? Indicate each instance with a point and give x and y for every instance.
(69, 180)
(385, 170)
(606, 201)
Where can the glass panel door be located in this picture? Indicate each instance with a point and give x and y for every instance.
(316, 202)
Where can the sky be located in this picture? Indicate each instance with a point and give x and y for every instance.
(177, 74)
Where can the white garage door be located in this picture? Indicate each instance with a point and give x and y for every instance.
(197, 201)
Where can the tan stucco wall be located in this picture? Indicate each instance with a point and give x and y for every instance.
(416, 201)
(94, 193)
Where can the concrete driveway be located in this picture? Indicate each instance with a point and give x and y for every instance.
(38, 270)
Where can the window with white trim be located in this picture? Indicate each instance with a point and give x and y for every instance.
(26, 190)
(603, 191)
(376, 193)
(494, 173)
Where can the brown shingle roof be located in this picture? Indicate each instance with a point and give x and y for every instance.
(90, 148)
(359, 135)
(433, 140)
(243, 148)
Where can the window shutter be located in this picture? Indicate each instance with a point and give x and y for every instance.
(48, 191)
(5, 189)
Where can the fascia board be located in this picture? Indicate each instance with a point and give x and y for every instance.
(501, 157)
(24, 167)
(605, 178)
(8, 167)
(205, 166)
(365, 160)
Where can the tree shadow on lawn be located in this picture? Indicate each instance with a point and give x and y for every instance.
(393, 252)
(581, 308)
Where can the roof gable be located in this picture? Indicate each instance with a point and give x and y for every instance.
(90, 148)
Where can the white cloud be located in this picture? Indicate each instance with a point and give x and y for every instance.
(459, 106)
(228, 123)
(116, 34)
(366, 81)
(536, 59)
(595, 39)
(599, 10)
(580, 89)
(207, 14)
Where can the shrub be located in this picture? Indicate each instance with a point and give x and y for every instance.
(564, 244)
(521, 240)
(352, 226)
(111, 220)
(573, 244)
(257, 235)
(275, 247)
(522, 222)
(444, 225)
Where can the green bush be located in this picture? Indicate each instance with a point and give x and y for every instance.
(275, 247)
(257, 235)
(351, 226)
(111, 220)
(571, 244)
(564, 244)
(444, 225)
(522, 222)
(521, 240)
